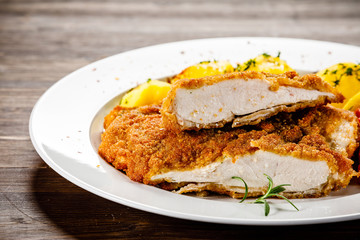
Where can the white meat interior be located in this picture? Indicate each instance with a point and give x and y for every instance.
(301, 174)
(224, 100)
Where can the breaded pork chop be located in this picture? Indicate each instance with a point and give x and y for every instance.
(308, 149)
(242, 98)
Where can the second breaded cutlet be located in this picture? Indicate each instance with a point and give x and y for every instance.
(309, 149)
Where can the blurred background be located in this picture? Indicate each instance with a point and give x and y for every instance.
(65, 35)
(41, 41)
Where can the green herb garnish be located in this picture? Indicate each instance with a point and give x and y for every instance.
(266, 55)
(249, 63)
(342, 65)
(238, 68)
(246, 188)
(349, 71)
(271, 192)
(279, 53)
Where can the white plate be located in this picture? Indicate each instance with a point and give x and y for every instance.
(66, 123)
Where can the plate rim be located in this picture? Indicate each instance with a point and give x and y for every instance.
(78, 182)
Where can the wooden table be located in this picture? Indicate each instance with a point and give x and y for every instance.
(42, 41)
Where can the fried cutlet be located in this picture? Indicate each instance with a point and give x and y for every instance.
(309, 149)
(243, 98)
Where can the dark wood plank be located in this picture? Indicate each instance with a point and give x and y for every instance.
(52, 205)
(17, 152)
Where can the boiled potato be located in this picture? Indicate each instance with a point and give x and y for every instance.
(346, 78)
(151, 92)
(206, 68)
(154, 91)
(265, 63)
(353, 103)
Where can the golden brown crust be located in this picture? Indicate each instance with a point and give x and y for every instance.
(253, 118)
(136, 142)
(310, 81)
(264, 114)
(331, 185)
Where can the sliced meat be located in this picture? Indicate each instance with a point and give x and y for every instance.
(308, 149)
(307, 178)
(242, 98)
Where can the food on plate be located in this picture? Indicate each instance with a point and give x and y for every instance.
(272, 191)
(345, 77)
(353, 103)
(151, 92)
(205, 68)
(265, 63)
(242, 98)
(215, 125)
(309, 149)
(154, 91)
(142, 95)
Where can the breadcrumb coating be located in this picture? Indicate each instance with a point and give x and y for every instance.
(136, 142)
(288, 79)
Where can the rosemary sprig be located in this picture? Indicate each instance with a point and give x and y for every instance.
(246, 188)
(271, 192)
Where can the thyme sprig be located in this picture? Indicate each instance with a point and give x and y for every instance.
(271, 192)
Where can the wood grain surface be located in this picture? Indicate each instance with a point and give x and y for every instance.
(43, 40)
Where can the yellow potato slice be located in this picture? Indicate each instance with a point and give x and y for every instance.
(265, 63)
(353, 103)
(151, 92)
(345, 77)
(203, 69)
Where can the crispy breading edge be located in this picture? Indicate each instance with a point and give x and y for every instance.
(239, 121)
(353, 120)
(331, 185)
(309, 81)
